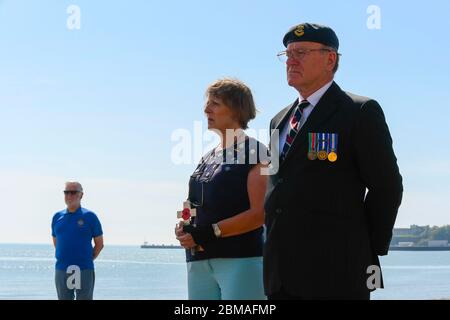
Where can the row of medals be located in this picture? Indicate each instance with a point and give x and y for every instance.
(322, 155)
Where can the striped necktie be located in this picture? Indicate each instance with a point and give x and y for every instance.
(294, 127)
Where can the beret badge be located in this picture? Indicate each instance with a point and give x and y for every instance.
(300, 31)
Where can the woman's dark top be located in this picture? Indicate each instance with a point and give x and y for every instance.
(218, 190)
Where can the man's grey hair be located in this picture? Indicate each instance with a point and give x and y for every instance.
(79, 186)
(336, 66)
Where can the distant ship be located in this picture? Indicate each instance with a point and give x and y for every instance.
(159, 246)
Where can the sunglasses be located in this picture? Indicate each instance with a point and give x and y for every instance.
(71, 192)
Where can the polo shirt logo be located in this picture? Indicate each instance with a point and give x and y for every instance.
(80, 222)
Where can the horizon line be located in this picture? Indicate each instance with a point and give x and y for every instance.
(107, 244)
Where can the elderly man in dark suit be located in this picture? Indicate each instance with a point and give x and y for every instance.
(331, 206)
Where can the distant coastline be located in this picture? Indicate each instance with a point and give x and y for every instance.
(417, 248)
(421, 238)
(391, 248)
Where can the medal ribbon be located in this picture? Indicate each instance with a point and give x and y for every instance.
(323, 142)
(334, 138)
(312, 142)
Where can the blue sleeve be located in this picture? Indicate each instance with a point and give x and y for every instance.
(53, 227)
(96, 227)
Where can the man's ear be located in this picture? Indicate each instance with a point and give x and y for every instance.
(82, 194)
(334, 59)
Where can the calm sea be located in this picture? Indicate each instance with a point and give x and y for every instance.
(122, 272)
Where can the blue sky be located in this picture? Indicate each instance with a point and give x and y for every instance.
(100, 104)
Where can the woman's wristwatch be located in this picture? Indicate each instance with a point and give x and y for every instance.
(217, 230)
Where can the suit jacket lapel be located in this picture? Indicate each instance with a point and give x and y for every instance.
(280, 122)
(285, 116)
(322, 111)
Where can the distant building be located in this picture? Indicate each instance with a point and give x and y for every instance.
(438, 243)
(413, 234)
(405, 244)
(421, 238)
(403, 232)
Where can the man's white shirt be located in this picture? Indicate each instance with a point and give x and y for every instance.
(313, 101)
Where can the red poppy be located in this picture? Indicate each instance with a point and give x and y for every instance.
(186, 214)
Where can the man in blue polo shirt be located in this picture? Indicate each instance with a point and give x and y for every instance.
(73, 230)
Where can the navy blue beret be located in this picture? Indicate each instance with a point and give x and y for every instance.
(312, 32)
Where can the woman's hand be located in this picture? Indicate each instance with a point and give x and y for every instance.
(185, 239)
(179, 229)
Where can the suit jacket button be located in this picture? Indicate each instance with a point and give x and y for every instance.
(280, 180)
(278, 210)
